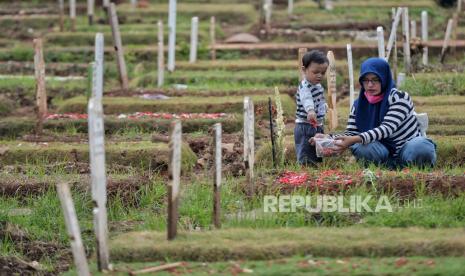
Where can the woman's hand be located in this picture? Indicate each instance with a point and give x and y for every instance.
(318, 135)
(344, 142)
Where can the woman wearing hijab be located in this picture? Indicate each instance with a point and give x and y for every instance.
(382, 127)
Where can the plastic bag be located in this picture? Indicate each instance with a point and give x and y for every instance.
(325, 146)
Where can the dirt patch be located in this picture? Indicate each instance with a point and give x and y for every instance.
(231, 150)
(125, 189)
(33, 251)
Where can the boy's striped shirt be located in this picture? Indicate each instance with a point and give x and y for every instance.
(310, 97)
(399, 124)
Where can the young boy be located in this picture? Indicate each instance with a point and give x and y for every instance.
(311, 106)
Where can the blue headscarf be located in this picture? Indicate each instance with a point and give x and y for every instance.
(369, 116)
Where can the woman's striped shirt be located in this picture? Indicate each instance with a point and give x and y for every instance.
(399, 124)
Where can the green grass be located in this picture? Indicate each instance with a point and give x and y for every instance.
(227, 244)
(233, 104)
(308, 265)
(243, 13)
(431, 84)
(139, 154)
(15, 127)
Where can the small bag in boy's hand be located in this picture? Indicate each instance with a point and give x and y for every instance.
(325, 147)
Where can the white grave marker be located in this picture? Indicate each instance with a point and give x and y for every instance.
(72, 227)
(175, 176)
(161, 56)
(381, 48)
(351, 76)
(194, 39)
(172, 35)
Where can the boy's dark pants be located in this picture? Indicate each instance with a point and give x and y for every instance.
(306, 153)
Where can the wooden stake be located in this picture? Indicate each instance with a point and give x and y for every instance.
(393, 36)
(98, 180)
(72, 227)
(424, 35)
(267, 7)
(72, 14)
(251, 140)
(406, 39)
(400, 79)
(97, 91)
(413, 28)
(459, 6)
(91, 77)
(301, 53)
(455, 20)
(41, 95)
(106, 8)
(156, 268)
(329, 5)
(290, 7)
(90, 11)
(273, 150)
(118, 47)
(61, 7)
(246, 130)
(351, 76)
(161, 55)
(381, 48)
(194, 39)
(217, 177)
(172, 35)
(394, 59)
(445, 45)
(133, 4)
(212, 38)
(175, 176)
(331, 80)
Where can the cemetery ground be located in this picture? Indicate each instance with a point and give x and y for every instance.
(423, 235)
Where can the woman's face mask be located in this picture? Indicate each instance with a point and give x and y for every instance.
(372, 84)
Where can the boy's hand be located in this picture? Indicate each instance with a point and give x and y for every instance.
(311, 117)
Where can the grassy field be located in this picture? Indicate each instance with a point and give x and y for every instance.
(423, 235)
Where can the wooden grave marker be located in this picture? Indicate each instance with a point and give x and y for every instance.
(351, 76)
(406, 40)
(118, 45)
(212, 38)
(175, 178)
(194, 39)
(424, 36)
(161, 56)
(217, 176)
(171, 35)
(331, 81)
(98, 179)
(445, 44)
(41, 94)
(72, 227)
